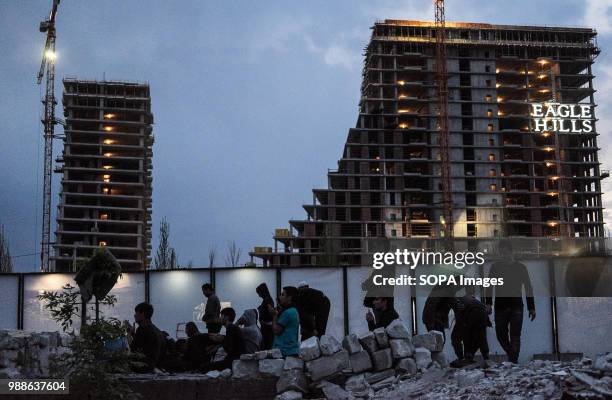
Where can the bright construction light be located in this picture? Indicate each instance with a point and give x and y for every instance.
(50, 55)
(401, 83)
(108, 128)
(108, 141)
(109, 116)
(107, 167)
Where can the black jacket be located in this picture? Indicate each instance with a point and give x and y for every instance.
(510, 294)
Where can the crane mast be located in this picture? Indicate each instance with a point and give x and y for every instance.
(443, 129)
(48, 65)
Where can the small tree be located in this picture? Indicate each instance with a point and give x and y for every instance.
(212, 254)
(6, 265)
(233, 254)
(166, 257)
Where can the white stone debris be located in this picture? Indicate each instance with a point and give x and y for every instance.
(309, 349)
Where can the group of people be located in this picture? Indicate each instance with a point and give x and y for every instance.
(298, 311)
(302, 312)
(469, 333)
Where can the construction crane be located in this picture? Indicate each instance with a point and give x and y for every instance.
(48, 65)
(442, 85)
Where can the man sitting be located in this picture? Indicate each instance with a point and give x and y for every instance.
(232, 342)
(147, 339)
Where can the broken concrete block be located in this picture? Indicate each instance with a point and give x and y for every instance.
(309, 349)
(368, 341)
(406, 366)
(275, 353)
(603, 362)
(440, 358)
(226, 373)
(294, 363)
(351, 344)
(361, 362)
(422, 357)
(242, 369)
(329, 345)
(328, 366)
(271, 367)
(382, 359)
(290, 395)
(292, 380)
(356, 383)
(468, 378)
(260, 355)
(381, 338)
(401, 348)
(335, 392)
(379, 376)
(397, 329)
(432, 341)
(248, 357)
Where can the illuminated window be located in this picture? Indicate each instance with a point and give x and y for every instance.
(488, 98)
(103, 216)
(490, 128)
(493, 187)
(109, 116)
(492, 172)
(105, 190)
(489, 113)
(108, 128)
(491, 157)
(102, 243)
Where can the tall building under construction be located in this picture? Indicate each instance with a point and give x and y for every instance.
(510, 175)
(106, 167)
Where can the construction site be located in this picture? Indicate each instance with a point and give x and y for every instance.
(445, 144)
(106, 168)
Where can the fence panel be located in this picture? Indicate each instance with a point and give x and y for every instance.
(9, 294)
(177, 297)
(130, 290)
(35, 317)
(236, 287)
(585, 325)
(328, 280)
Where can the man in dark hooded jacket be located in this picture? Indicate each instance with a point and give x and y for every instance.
(265, 316)
(313, 307)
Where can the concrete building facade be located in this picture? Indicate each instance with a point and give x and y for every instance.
(106, 168)
(509, 177)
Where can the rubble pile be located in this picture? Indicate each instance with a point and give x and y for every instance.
(25, 354)
(391, 364)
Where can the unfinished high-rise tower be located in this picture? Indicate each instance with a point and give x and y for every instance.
(105, 199)
(522, 144)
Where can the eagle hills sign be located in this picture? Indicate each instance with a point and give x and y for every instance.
(562, 118)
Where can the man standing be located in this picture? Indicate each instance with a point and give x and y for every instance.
(508, 305)
(286, 323)
(147, 339)
(313, 307)
(213, 305)
(385, 313)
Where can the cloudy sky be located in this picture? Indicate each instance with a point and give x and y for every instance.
(252, 100)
